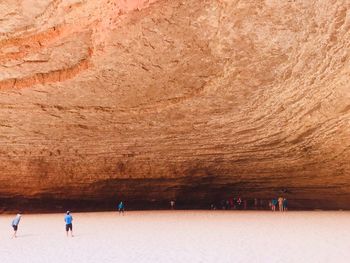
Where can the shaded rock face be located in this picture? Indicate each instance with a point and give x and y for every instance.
(192, 100)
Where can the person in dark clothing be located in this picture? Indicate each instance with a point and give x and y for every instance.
(285, 204)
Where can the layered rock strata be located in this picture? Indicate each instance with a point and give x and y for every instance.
(192, 100)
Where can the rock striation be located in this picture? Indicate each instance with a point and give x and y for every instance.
(191, 100)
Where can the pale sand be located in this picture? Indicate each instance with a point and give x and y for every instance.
(180, 236)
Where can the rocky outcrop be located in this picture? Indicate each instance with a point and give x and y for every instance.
(192, 100)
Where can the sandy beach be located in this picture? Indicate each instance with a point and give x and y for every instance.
(179, 236)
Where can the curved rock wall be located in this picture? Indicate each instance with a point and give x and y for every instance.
(194, 100)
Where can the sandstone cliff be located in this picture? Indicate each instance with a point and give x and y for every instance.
(193, 100)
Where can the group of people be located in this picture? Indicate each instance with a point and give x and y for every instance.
(68, 219)
(238, 203)
(231, 203)
(281, 202)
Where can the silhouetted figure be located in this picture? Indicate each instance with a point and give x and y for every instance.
(255, 203)
(285, 204)
(261, 204)
(222, 203)
(234, 203)
(231, 203)
(227, 204)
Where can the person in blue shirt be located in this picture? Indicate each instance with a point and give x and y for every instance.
(121, 207)
(15, 223)
(68, 219)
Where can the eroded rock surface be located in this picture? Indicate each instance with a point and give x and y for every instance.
(154, 100)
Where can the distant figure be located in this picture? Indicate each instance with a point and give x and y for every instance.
(230, 200)
(69, 226)
(15, 223)
(121, 207)
(280, 203)
(285, 204)
(256, 203)
(172, 204)
(273, 204)
(222, 204)
(212, 207)
(239, 202)
(261, 204)
(227, 204)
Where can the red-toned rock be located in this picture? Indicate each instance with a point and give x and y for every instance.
(189, 100)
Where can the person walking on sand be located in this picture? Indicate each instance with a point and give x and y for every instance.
(280, 203)
(121, 207)
(69, 226)
(15, 223)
